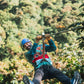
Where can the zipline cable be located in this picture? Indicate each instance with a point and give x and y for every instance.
(64, 31)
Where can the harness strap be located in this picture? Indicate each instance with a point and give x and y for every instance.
(40, 57)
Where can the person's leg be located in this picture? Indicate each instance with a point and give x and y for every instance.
(55, 73)
(38, 76)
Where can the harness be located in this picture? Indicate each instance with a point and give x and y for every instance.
(39, 57)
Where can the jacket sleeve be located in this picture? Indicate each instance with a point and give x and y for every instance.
(51, 46)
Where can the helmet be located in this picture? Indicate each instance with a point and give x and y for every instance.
(24, 41)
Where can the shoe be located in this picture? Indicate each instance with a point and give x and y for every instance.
(26, 80)
(76, 78)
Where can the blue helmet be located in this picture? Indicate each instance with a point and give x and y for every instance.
(25, 41)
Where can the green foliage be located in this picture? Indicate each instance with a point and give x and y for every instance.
(1, 77)
(27, 18)
(3, 4)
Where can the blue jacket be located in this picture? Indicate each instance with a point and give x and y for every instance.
(48, 48)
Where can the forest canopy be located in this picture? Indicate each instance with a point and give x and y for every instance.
(62, 19)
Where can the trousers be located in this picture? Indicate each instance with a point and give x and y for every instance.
(49, 72)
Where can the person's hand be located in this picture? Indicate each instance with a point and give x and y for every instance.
(38, 38)
(47, 36)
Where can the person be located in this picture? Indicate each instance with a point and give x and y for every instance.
(43, 67)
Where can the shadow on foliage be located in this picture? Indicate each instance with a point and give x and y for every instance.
(61, 39)
(76, 24)
(3, 4)
(81, 14)
(44, 5)
(81, 40)
(7, 79)
(60, 18)
(23, 4)
(81, 5)
(72, 1)
(17, 20)
(13, 10)
(64, 1)
(4, 54)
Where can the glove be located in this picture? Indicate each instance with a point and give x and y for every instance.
(47, 36)
(39, 37)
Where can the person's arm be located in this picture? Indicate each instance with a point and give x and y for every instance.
(51, 46)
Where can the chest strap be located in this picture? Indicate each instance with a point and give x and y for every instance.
(39, 57)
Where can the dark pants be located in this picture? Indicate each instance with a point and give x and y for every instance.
(49, 72)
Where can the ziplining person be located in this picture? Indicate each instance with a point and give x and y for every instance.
(37, 55)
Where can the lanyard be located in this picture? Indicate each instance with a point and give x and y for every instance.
(43, 35)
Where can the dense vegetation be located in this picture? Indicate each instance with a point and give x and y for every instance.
(63, 19)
